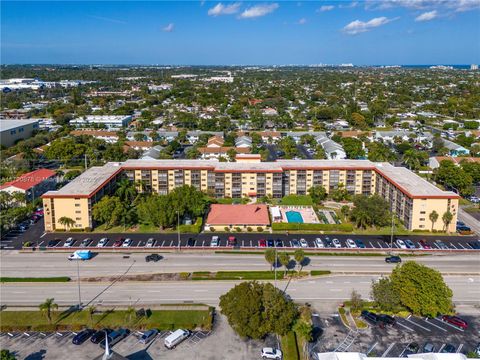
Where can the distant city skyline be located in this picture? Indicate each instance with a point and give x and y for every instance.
(389, 32)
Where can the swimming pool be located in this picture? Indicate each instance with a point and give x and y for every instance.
(294, 217)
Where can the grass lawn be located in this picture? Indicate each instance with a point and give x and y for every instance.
(296, 200)
(27, 279)
(289, 346)
(243, 275)
(159, 319)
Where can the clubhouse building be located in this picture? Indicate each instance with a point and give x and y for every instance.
(411, 197)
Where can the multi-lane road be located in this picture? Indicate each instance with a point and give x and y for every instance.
(39, 264)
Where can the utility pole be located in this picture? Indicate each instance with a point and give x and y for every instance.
(275, 267)
(78, 282)
(178, 228)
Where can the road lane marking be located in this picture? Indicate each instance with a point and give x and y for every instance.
(335, 290)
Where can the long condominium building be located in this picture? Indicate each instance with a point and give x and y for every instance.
(410, 197)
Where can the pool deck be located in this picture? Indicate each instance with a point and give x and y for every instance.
(307, 213)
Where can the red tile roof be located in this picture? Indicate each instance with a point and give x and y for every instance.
(29, 180)
(224, 214)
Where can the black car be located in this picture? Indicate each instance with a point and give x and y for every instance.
(474, 244)
(412, 348)
(191, 242)
(387, 319)
(153, 257)
(115, 337)
(278, 243)
(82, 336)
(100, 335)
(449, 349)
(370, 317)
(328, 243)
(53, 243)
(270, 243)
(393, 259)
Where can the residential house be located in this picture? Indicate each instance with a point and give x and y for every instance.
(32, 184)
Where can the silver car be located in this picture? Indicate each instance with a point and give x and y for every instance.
(150, 242)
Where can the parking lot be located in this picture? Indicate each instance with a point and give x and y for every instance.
(392, 341)
(220, 343)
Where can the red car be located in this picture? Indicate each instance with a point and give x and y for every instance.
(262, 243)
(455, 321)
(232, 240)
(424, 244)
(118, 243)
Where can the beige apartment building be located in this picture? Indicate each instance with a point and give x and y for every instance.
(411, 197)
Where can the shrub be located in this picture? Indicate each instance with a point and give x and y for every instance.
(184, 275)
(226, 228)
(238, 229)
(212, 229)
(259, 229)
(312, 227)
(249, 229)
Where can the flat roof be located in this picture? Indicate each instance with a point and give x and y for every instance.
(412, 183)
(87, 183)
(9, 124)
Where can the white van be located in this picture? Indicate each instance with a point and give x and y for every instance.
(176, 338)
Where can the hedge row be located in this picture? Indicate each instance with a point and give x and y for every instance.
(33, 279)
(312, 227)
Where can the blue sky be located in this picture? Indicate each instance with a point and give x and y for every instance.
(203, 32)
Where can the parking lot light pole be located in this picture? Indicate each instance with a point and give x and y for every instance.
(78, 282)
(275, 268)
(178, 228)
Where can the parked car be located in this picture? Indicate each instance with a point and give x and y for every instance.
(115, 337)
(464, 230)
(151, 242)
(191, 242)
(23, 226)
(370, 317)
(303, 243)
(336, 243)
(387, 319)
(401, 244)
(127, 242)
(215, 241)
(278, 243)
(262, 243)
(477, 349)
(82, 336)
(328, 242)
(455, 321)
(148, 336)
(86, 242)
(393, 259)
(53, 243)
(153, 257)
(475, 245)
(410, 244)
(270, 243)
(103, 242)
(271, 353)
(428, 348)
(441, 245)
(99, 336)
(360, 244)
(232, 241)
(424, 245)
(175, 338)
(319, 243)
(351, 244)
(69, 242)
(118, 243)
(449, 349)
(295, 243)
(412, 348)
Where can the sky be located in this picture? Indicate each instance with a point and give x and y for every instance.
(388, 32)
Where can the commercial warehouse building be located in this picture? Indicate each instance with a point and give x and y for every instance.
(411, 197)
(13, 130)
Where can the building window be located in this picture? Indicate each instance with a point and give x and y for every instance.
(78, 218)
(13, 132)
(77, 205)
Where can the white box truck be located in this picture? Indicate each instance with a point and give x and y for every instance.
(81, 255)
(176, 338)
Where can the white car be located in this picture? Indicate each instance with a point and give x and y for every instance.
(127, 242)
(103, 242)
(150, 242)
(303, 243)
(319, 243)
(401, 244)
(215, 241)
(271, 353)
(351, 244)
(69, 242)
(336, 243)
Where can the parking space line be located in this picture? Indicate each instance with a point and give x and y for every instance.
(371, 244)
(414, 323)
(453, 246)
(43, 235)
(171, 242)
(460, 244)
(243, 243)
(438, 247)
(388, 349)
(372, 347)
(163, 242)
(441, 348)
(460, 348)
(405, 326)
(446, 323)
(469, 246)
(438, 327)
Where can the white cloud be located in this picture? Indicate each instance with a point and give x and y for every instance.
(107, 19)
(221, 9)
(357, 26)
(169, 27)
(259, 10)
(302, 21)
(409, 4)
(325, 8)
(465, 5)
(427, 16)
(348, 6)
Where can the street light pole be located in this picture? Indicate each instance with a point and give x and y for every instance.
(392, 227)
(78, 283)
(178, 228)
(275, 267)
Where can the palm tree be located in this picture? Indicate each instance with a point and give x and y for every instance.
(284, 259)
(433, 216)
(91, 311)
(126, 190)
(447, 219)
(411, 159)
(47, 307)
(129, 314)
(66, 222)
(270, 257)
(299, 256)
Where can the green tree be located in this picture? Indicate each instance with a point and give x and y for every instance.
(48, 307)
(317, 193)
(303, 329)
(356, 301)
(284, 259)
(255, 309)
(106, 211)
(271, 257)
(379, 152)
(384, 294)
(353, 148)
(421, 289)
(433, 216)
(66, 222)
(447, 218)
(339, 194)
(126, 191)
(299, 256)
(453, 176)
(231, 154)
(7, 355)
(370, 211)
(414, 159)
